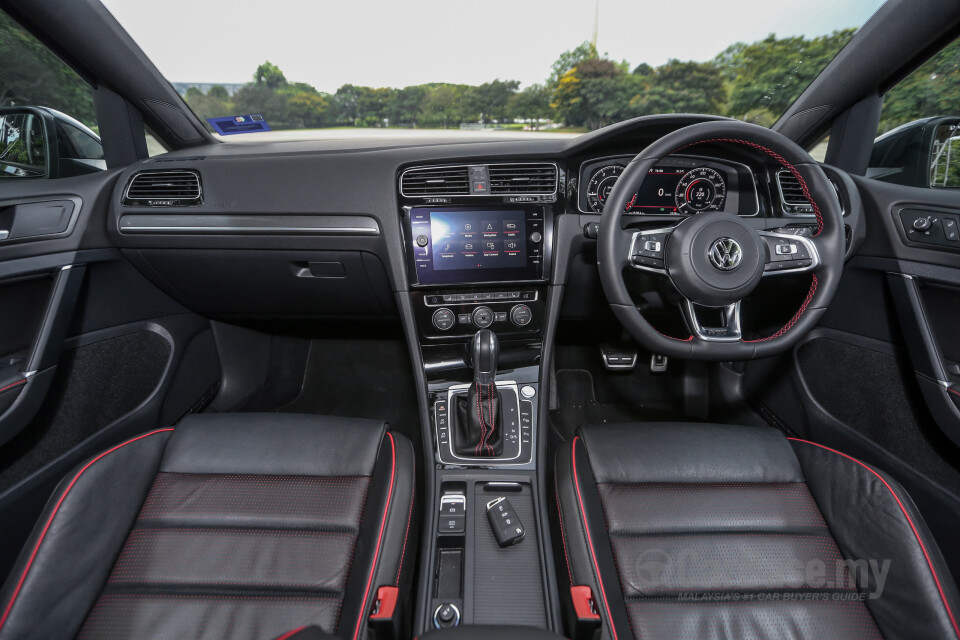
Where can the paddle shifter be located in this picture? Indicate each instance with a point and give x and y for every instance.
(479, 418)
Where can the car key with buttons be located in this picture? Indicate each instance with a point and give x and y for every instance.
(506, 526)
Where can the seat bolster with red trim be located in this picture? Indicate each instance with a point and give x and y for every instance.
(62, 581)
(575, 486)
(234, 525)
(863, 508)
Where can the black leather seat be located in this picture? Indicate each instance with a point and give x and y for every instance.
(230, 526)
(715, 531)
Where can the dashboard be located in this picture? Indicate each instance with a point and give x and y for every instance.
(681, 184)
(337, 229)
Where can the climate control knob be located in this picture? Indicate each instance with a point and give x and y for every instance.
(483, 317)
(444, 319)
(521, 315)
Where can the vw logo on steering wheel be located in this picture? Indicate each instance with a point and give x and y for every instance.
(726, 254)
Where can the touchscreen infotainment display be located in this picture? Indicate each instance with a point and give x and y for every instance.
(476, 244)
(478, 239)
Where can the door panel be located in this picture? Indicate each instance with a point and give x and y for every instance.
(872, 380)
(95, 353)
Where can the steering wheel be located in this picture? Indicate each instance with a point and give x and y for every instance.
(716, 259)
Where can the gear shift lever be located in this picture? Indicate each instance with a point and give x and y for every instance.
(479, 430)
(486, 352)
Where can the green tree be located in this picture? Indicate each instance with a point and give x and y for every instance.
(309, 108)
(405, 107)
(531, 105)
(443, 105)
(680, 87)
(31, 75)
(933, 89)
(490, 99)
(585, 95)
(262, 100)
(373, 105)
(219, 92)
(768, 75)
(269, 75)
(215, 104)
(570, 60)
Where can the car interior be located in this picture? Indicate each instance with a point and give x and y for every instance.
(669, 379)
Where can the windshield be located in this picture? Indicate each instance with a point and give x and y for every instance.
(563, 67)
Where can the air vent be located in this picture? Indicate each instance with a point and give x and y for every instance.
(523, 179)
(164, 188)
(791, 194)
(435, 181)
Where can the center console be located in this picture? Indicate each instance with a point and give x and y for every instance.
(478, 270)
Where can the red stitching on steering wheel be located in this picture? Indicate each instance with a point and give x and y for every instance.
(795, 318)
(776, 156)
(816, 211)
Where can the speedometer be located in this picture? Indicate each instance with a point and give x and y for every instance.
(601, 182)
(701, 189)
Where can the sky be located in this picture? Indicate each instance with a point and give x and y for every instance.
(390, 43)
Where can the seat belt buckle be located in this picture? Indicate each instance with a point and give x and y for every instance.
(385, 617)
(587, 621)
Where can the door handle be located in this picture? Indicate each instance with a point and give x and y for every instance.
(941, 395)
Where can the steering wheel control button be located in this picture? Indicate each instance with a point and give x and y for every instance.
(483, 317)
(444, 319)
(786, 249)
(446, 615)
(521, 315)
(527, 391)
(649, 249)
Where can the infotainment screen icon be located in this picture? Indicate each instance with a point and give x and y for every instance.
(466, 244)
(477, 240)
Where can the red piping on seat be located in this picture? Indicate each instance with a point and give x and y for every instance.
(12, 385)
(906, 515)
(56, 508)
(383, 525)
(291, 633)
(593, 556)
(406, 533)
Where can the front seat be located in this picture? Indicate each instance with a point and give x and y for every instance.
(704, 531)
(230, 526)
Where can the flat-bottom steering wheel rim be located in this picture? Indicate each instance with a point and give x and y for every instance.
(616, 246)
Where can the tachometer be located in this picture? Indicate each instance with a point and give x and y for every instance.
(700, 189)
(601, 182)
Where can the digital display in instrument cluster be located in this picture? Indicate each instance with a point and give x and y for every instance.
(666, 189)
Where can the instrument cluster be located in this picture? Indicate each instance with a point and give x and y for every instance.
(680, 185)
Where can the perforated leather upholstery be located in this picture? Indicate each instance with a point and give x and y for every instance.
(693, 531)
(231, 526)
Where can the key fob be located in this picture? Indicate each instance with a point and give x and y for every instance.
(507, 528)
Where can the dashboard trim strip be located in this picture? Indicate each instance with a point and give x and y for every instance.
(246, 225)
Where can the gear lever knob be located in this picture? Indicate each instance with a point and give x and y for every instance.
(486, 352)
